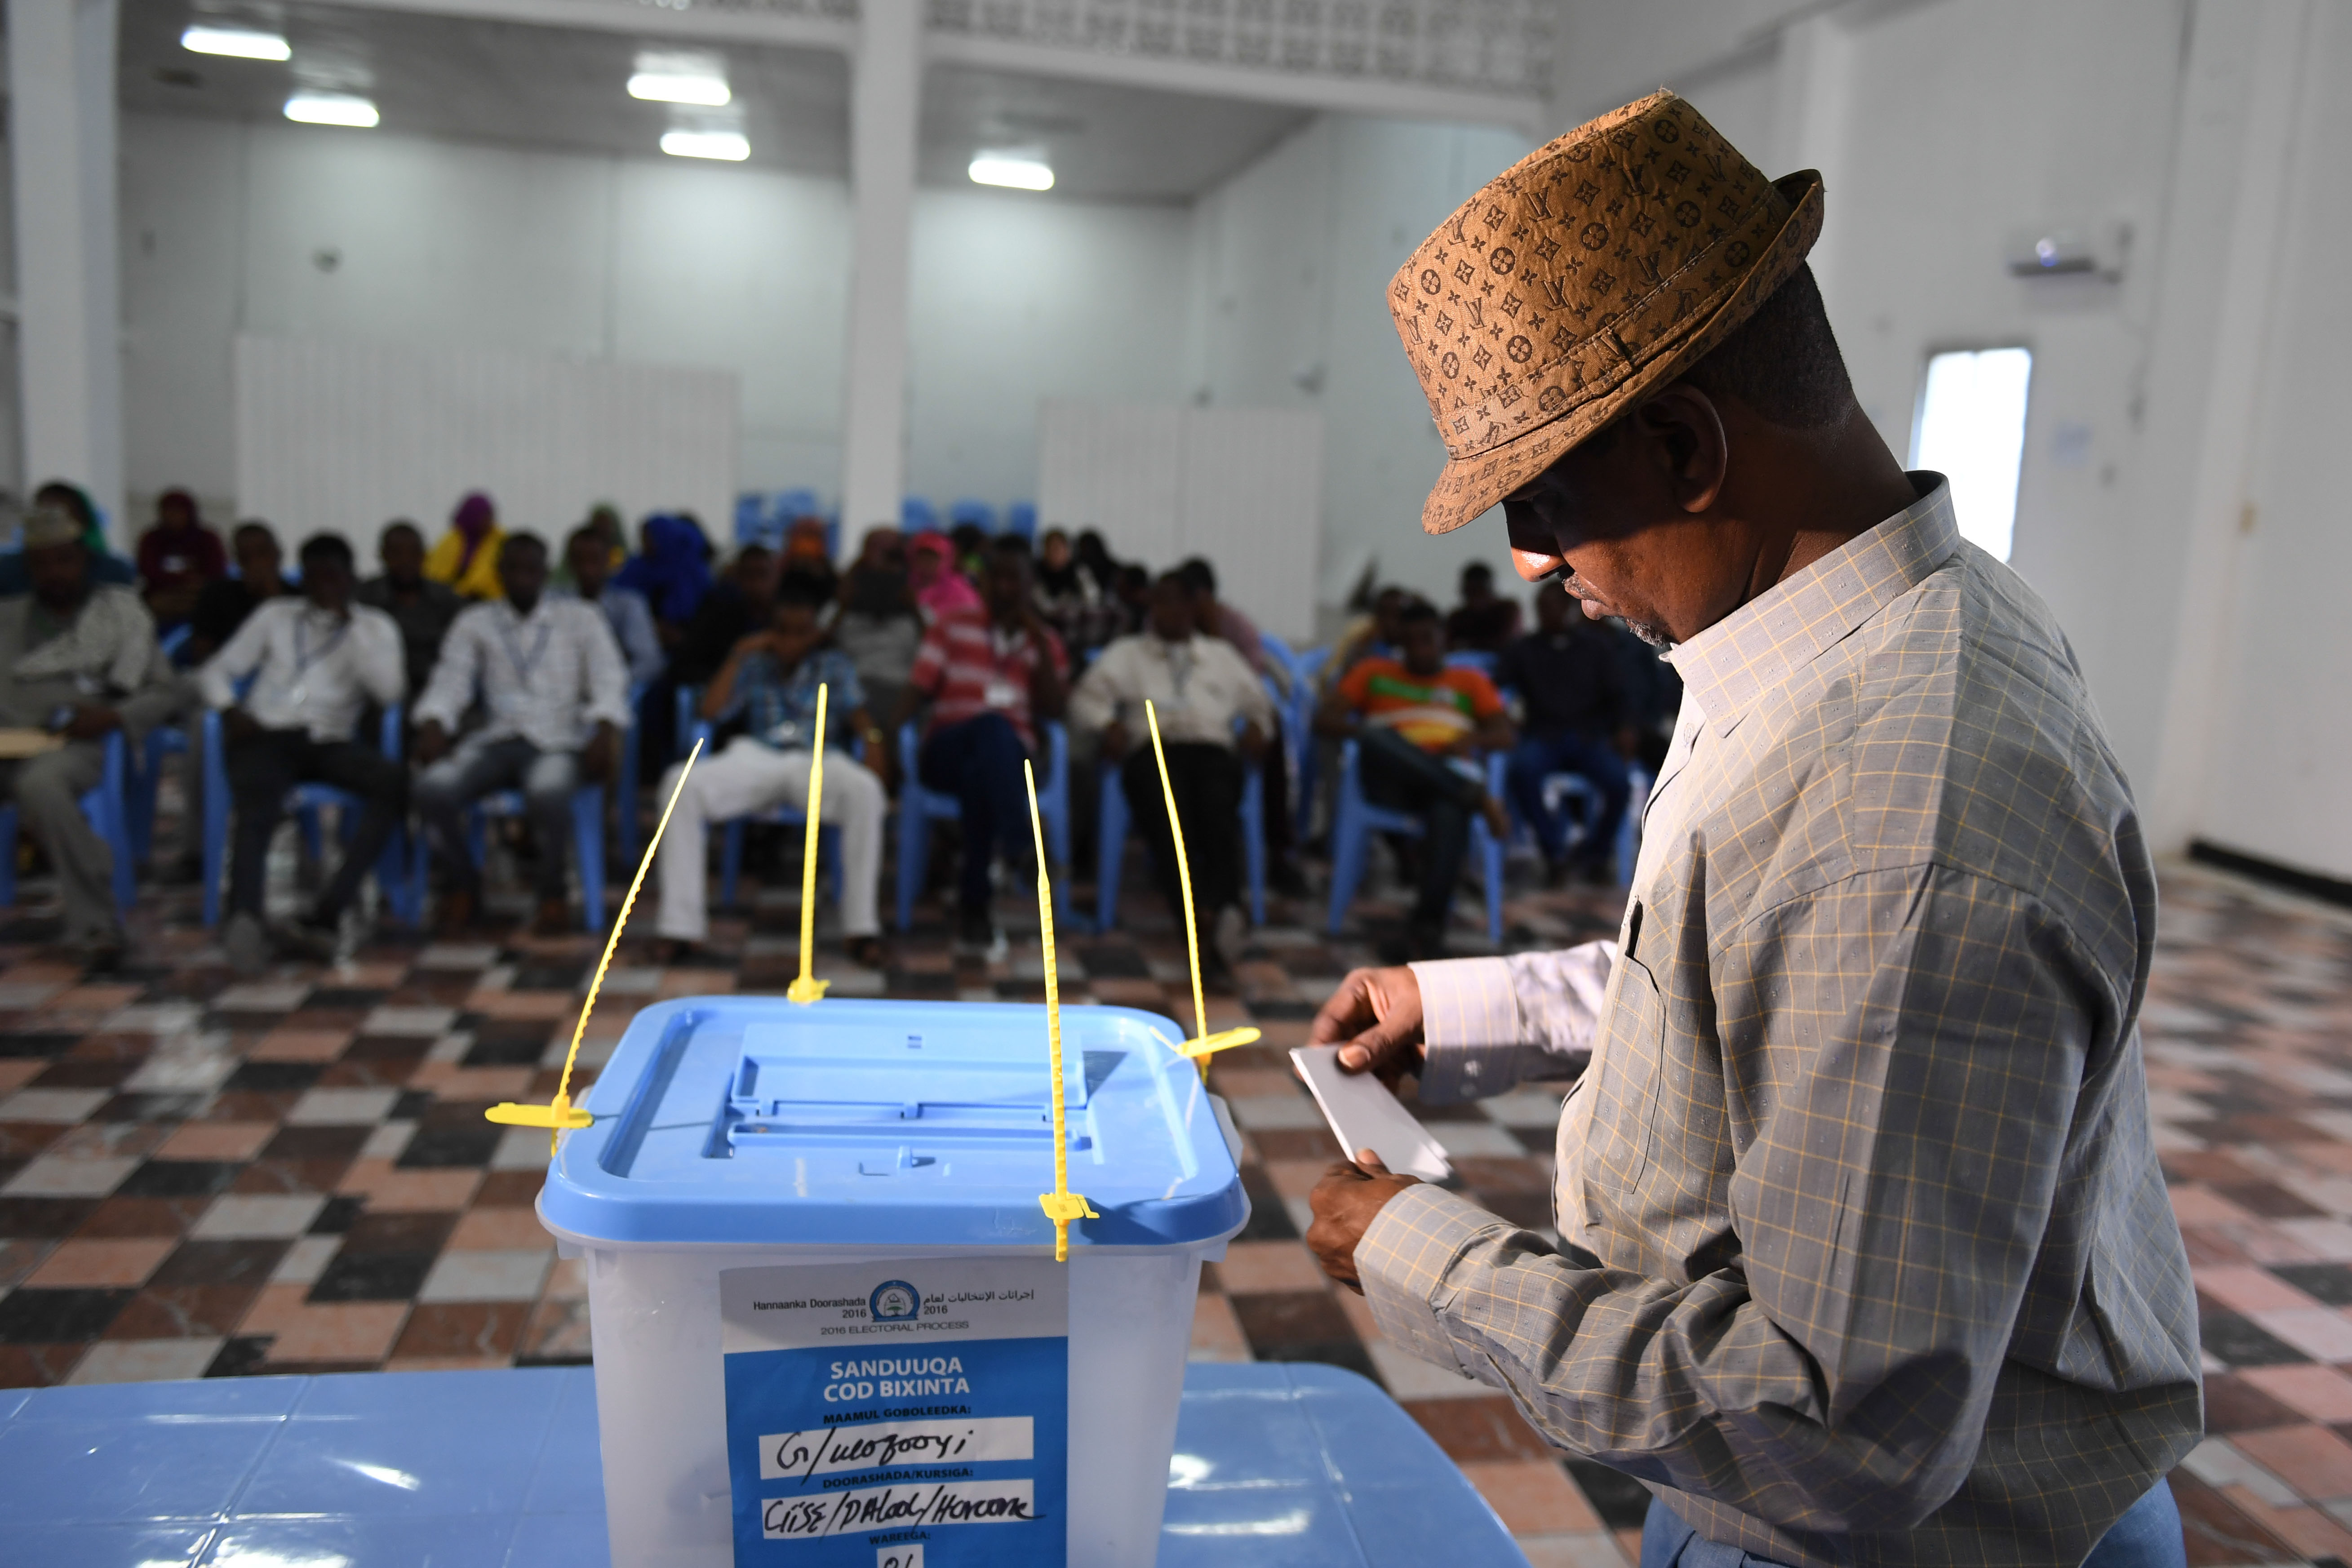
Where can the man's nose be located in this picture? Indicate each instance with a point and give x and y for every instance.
(1533, 565)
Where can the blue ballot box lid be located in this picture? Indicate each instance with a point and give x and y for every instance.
(731, 1119)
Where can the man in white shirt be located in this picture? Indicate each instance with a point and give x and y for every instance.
(1199, 686)
(315, 663)
(549, 676)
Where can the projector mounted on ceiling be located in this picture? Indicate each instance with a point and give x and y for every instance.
(2059, 250)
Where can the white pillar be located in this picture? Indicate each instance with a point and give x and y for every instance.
(886, 89)
(1813, 90)
(68, 291)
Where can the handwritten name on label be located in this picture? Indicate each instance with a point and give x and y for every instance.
(897, 1507)
(874, 1445)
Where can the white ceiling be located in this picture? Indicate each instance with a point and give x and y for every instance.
(563, 89)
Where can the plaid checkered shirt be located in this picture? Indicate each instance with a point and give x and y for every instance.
(1873, 1260)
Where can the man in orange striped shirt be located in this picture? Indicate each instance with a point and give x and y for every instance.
(1419, 725)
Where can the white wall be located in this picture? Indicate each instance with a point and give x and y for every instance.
(662, 262)
(1294, 259)
(2282, 743)
(1016, 299)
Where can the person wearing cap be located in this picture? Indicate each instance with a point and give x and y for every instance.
(1863, 1255)
(78, 659)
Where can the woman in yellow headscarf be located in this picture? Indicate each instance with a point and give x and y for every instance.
(467, 557)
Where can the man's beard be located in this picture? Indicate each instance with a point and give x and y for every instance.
(1656, 637)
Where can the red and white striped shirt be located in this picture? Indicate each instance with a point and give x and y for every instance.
(969, 666)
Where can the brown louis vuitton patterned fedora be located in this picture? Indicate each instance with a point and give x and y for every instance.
(1593, 268)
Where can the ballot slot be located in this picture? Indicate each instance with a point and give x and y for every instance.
(800, 1087)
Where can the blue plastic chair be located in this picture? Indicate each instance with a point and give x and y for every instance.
(919, 808)
(587, 833)
(755, 522)
(1358, 819)
(108, 811)
(402, 890)
(1110, 844)
(1559, 789)
(1474, 659)
(972, 512)
(731, 852)
(916, 514)
(1299, 726)
(1020, 518)
(138, 807)
(147, 762)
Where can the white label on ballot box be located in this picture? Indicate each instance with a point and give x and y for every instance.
(885, 1412)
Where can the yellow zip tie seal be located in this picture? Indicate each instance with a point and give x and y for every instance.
(1061, 1205)
(1199, 1048)
(561, 1113)
(808, 987)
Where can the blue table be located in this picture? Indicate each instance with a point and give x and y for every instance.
(1296, 1465)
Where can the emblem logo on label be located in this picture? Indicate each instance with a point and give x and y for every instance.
(894, 1302)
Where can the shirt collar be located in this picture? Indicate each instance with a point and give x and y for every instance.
(1752, 651)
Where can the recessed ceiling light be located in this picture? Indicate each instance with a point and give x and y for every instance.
(243, 43)
(331, 109)
(670, 87)
(728, 145)
(1019, 173)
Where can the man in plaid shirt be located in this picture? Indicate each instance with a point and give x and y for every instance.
(1864, 1255)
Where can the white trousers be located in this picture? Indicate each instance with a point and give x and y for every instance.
(746, 777)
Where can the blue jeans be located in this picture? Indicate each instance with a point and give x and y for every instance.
(1595, 762)
(978, 760)
(476, 768)
(2146, 1536)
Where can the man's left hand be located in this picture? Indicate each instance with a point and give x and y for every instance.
(90, 721)
(1345, 1202)
(599, 755)
(1251, 742)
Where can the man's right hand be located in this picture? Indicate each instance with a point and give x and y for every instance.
(432, 742)
(1113, 741)
(241, 725)
(1375, 1017)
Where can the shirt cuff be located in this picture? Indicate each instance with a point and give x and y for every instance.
(1470, 1028)
(1402, 1262)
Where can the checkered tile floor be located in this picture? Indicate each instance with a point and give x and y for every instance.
(206, 1177)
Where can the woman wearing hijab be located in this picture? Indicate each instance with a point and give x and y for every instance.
(672, 570)
(1079, 600)
(467, 557)
(939, 588)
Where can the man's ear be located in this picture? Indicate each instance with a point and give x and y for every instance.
(1684, 431)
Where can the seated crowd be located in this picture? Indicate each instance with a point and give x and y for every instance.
(525, 671)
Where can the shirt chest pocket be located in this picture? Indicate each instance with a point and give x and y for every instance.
(1627, 1076)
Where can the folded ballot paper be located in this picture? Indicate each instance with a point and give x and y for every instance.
(1363, 1114)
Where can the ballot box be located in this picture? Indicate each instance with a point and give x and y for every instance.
(829, 1323)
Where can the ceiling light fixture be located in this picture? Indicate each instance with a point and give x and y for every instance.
(239, 43)
(331, 109)
(727, 145)
(668, 86)
(1017, 172)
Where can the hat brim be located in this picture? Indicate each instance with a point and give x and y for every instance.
(1470, 487)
